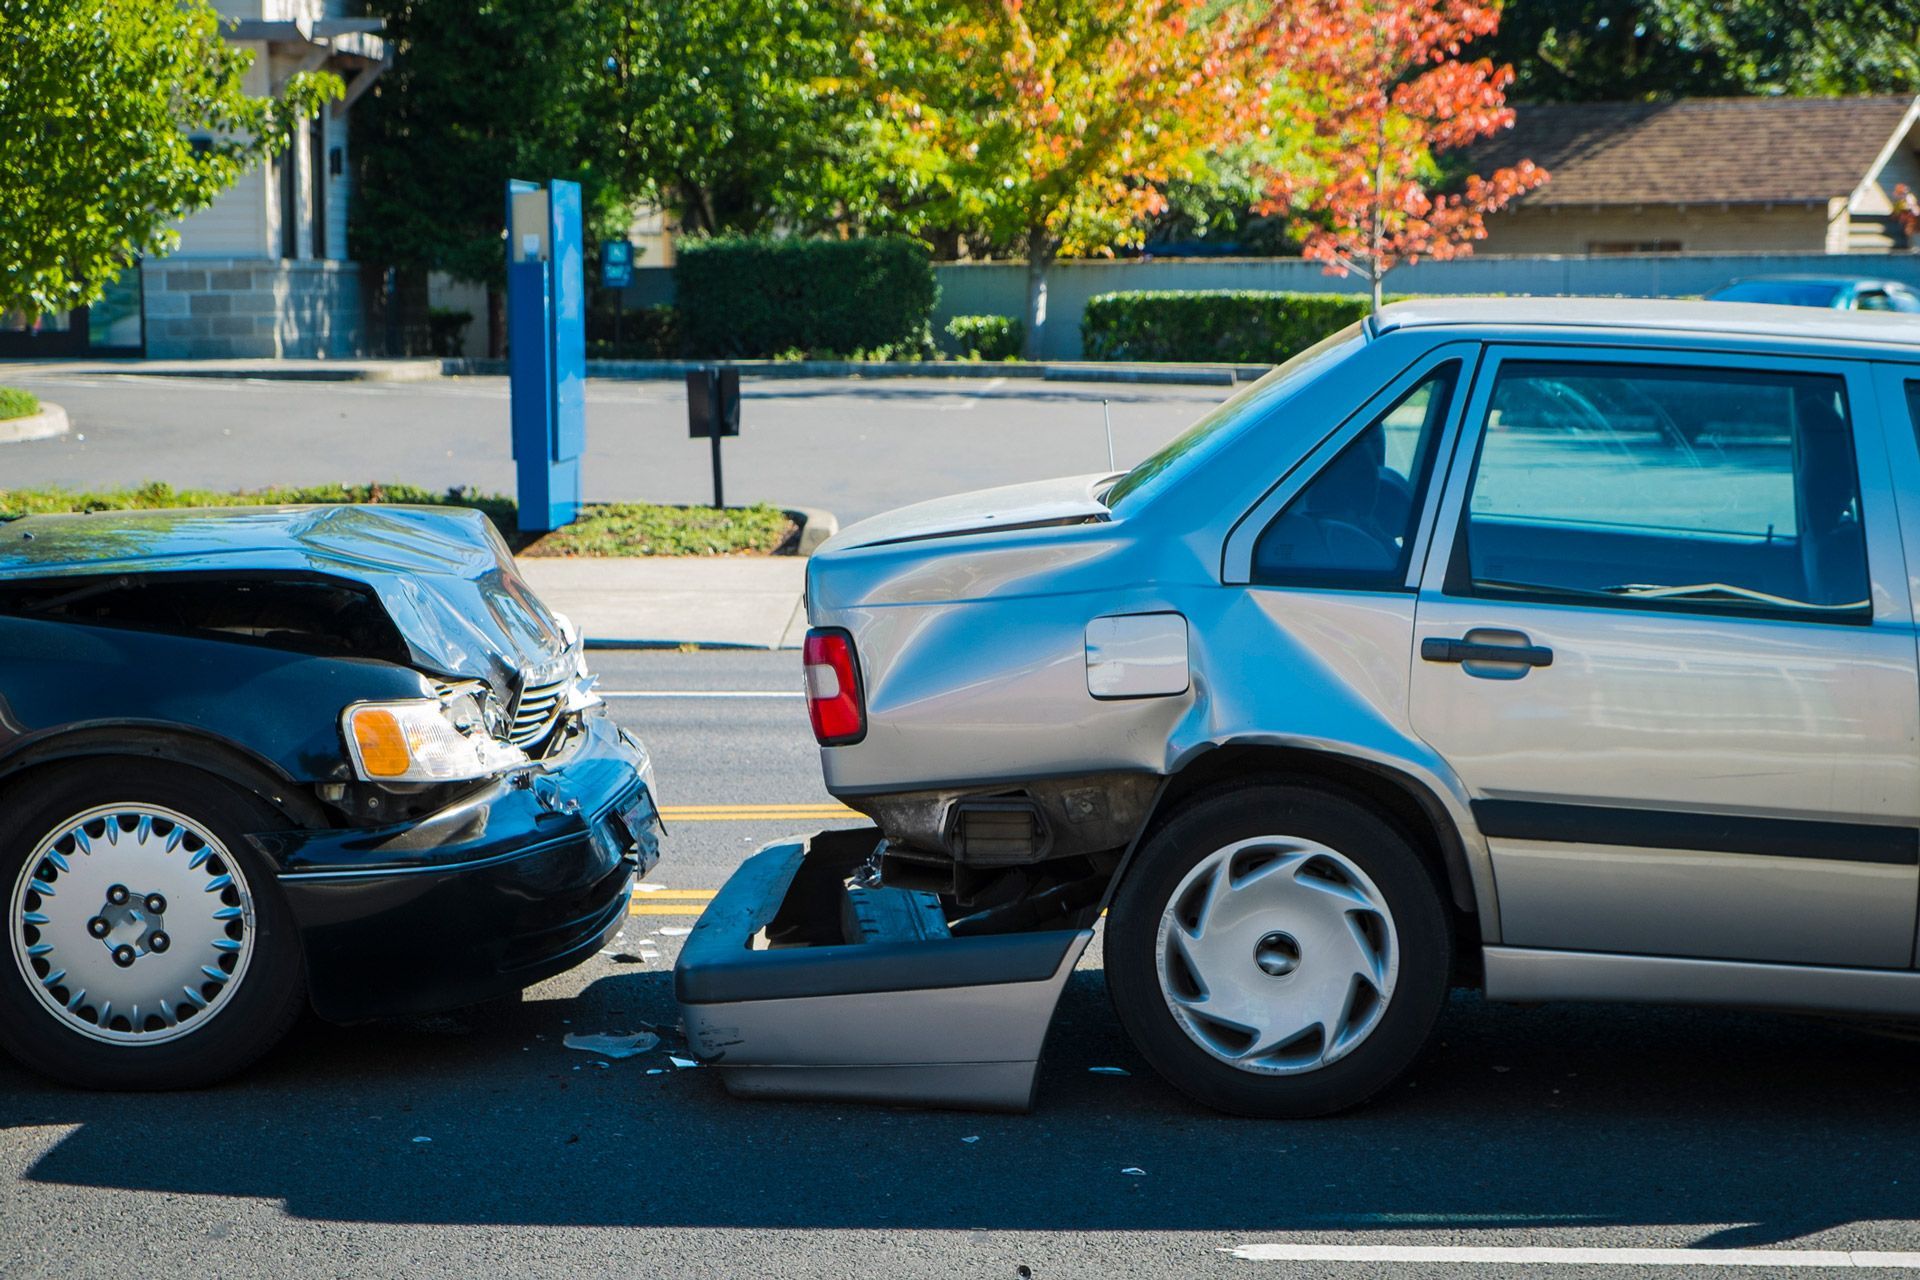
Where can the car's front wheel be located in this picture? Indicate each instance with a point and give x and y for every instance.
(148, 947)
(1278, 951)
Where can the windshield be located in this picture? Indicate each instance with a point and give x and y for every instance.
(1184, 449)
(1785, 293)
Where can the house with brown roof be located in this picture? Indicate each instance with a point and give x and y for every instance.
(1708, 175)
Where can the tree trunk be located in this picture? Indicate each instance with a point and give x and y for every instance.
(496, 322)
(1377, 290)
(1041, 250)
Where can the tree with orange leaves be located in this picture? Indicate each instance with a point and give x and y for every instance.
(1382, 88)
(1056, 125)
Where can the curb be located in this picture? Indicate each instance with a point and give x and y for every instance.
(816, 526)
(413, 371)
(1049, 370)
(1180, 374)
(49, 422)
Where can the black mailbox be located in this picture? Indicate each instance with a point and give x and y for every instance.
(713, 398)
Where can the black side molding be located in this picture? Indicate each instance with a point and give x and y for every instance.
(1707, 832)
(1439, 649)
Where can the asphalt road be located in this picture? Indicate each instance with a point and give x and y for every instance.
(851, 447)
(1551, 1127)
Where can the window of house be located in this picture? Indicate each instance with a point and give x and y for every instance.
(1352, 526)
(289, 204)
(1660, 487)
(317, 182)
(1602, 247)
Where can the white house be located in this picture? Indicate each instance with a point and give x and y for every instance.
(263, 270)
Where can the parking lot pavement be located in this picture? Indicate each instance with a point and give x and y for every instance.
(1541, 1140)
(850, 447)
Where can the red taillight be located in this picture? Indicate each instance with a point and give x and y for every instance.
(834, 700)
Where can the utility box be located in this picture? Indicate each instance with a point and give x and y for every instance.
(547, 349)
(713, 402)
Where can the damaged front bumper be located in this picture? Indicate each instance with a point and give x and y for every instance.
(797, 984)
(524, 878)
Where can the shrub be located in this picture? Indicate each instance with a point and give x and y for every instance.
(447, 330)
(1236, 326)
(15, 403)
(646, 333)
(986, 337)
(739, 297)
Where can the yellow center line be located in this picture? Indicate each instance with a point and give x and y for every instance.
(640, 908)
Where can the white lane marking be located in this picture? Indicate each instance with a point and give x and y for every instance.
(700, 693)
(1521, 1255)
(970, 398)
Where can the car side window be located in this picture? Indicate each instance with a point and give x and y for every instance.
(1711, 490)
(1873, 300)
(1352, 525)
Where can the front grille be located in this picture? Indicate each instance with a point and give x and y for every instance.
(533, 715)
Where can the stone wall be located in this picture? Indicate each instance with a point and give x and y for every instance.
(226, 308)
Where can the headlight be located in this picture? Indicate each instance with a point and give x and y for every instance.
(421, 740)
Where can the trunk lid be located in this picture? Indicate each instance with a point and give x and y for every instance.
(1036, 504)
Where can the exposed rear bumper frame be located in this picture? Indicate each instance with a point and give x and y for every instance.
(957, 1022)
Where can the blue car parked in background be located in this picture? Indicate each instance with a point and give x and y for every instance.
(1841, 293)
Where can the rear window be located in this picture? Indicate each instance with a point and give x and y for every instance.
(1185, 449)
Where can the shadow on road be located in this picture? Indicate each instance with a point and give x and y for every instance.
(1557, 1116)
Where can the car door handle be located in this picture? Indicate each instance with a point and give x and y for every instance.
(1436, 649)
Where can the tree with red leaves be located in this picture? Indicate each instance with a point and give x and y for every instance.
(1382, 89)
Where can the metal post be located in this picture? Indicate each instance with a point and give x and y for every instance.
(719, 494)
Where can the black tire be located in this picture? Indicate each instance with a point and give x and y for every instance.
(1211, 822)
(252, 1017)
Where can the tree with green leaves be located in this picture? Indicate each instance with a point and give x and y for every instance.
(478, 94)
(117, 119)
(1807, 47)
(741, 116)
(1056, 125)
(1599, 50)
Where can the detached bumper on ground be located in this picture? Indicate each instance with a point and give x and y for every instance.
(524, 879)
(795, 985)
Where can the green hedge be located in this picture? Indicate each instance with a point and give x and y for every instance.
(646, 333)
(1236, 326)
(986, 337)
(738, 297)
(15, 403)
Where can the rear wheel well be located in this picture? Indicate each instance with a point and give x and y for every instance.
(1400, 800)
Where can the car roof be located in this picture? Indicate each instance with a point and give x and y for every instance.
(1625, 316)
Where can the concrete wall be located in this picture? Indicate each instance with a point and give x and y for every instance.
(999, 288)
(1696, 229)
(225, 308)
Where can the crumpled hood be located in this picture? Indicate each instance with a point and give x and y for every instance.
(1067, 500)
(444, 574)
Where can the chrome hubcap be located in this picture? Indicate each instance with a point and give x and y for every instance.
(1277, 955)
(131, 924)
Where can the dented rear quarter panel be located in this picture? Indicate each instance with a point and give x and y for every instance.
(972, 646)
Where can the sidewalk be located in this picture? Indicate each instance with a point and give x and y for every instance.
(751, 602)
(428, 369)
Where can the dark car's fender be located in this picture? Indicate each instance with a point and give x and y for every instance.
(72, 689)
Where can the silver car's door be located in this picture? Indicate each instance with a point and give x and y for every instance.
(1664, 637)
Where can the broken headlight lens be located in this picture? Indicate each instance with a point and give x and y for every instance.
(424, 740)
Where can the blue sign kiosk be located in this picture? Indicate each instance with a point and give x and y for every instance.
(547, 349)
